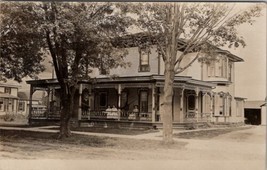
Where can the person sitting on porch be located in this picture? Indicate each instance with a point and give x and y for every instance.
(136, 111)
(108, 109)
(114, 109)
(134, 114)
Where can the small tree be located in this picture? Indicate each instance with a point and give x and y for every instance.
(188, 27)
(75, 34)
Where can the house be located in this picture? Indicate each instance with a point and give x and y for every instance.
(12, 101)
(8, 98)
(255, 112)
(202, 93)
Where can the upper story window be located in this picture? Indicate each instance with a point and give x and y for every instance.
(218, 68)
(144, 60)
(8, 90)
(104, 70)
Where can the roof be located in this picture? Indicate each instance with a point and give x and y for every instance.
(254, 104)
(6, 95)
(9, 85)
(131, 40)
(159, 79)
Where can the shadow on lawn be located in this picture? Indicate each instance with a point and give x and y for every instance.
(44, 140)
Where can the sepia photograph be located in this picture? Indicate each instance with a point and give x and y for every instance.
(133, 85)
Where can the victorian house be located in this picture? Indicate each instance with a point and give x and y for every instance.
(205, 92)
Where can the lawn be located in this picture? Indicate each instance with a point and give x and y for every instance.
(207, 134)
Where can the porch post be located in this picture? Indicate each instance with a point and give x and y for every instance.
(211, 106)
(153, 103)
(80, 102)
(48, 102)
(119, 101)
(196, 103)
(182, 105)
(30, 108)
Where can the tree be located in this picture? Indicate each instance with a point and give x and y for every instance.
(188, 28)
(75, 34)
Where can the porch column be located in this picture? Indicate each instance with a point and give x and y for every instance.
(80, 102)
(182, 105)
(211, 105)
(89, 102)
(196, 103)
(48, 102)
(119, 101)
(153, 103)
(30, 108)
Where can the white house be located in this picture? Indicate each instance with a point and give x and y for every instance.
(204, 92)
(8, 98)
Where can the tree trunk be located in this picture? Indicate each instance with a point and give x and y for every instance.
(65, 115)
(167, 102)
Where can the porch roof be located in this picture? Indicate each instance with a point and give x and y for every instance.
(179, 81)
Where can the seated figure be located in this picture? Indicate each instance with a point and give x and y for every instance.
(134, 114)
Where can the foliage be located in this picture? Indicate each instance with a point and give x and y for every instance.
(78, 37)
(192, 27)
(181, 28)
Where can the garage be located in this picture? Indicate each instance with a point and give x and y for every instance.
(253, 116)
(255, 112)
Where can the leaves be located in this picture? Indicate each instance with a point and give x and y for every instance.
(74, 34)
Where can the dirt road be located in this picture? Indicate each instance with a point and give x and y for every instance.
(242, 149)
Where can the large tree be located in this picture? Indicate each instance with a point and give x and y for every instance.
(181, 28)
(74, 34)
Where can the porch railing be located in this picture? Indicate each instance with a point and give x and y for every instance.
(117, 115)
(200, 117)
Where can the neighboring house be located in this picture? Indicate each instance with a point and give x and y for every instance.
(255, 112)
(204, 92)
(14, 102)
(8, 98)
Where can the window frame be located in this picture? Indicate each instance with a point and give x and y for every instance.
(8, 90)
(144, 67)
(141, 110)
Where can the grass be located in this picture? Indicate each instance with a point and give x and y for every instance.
(45, 139)
(207, 134)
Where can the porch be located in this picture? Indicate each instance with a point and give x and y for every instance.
(130, 99)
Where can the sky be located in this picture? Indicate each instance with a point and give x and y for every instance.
(250, 75)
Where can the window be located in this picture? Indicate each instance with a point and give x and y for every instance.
(103, 99)
(144, 60)
(221, 106)
(8, 90)
(191, 102)
(103, 70)
(1, 104)
(124, 100)
(218, 68)
(229, 105)
(207, 103)
(143, 101)
(21, 106)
